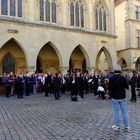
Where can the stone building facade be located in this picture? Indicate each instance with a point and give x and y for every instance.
(57, 35)
(127, 17)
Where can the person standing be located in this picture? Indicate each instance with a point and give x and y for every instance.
(56, 85)
(133, 82)
(118, 86)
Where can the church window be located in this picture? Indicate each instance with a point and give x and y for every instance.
(100, 18)
(12, 8)
(4, 7)
(48, 11)
(77, 14)
(53, 12)
(8, 7)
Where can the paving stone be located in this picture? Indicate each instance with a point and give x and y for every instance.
(40, 118)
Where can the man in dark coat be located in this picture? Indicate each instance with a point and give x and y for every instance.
(19, 84)
(56, 86)
(132, 83)
(117, 86)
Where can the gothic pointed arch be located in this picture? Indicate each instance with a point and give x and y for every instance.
(103, 60)
(17, 58)
(79, 59)
(122, 63)
(49, 59)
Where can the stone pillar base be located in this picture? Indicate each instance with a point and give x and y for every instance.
(64, 69)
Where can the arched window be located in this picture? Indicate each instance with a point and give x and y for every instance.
(100, 18)
(53, 12)
(41, 9)
(72, 14)
(19, 8)
(8, 64)
(47, 10)
(4, 7)
(12, 8)
(77, 14)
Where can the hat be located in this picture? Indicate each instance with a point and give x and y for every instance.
(117, 68)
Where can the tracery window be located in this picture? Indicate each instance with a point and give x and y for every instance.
(11, 8)
(100, 18)
(77, 14)
(48, 10)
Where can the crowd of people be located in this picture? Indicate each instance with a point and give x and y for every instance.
(77, 83)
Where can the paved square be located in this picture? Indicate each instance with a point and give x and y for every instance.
(43, 118)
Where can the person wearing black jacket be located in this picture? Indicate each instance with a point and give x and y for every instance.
(117, 86)
(133, 82)
(56, 86)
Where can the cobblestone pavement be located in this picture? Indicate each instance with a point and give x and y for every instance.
(43, 118)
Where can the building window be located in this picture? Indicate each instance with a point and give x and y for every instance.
(138, 38)
(41, 9)
(82, 15)
(4, 7)
(100, 18)
(77, 14)
(19, 8)
(54, 12)
(11, 11)
(12, 8)
(137, 12)
(48, 11)
(72, 14)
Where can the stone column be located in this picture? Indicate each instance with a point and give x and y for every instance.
(64, 69)
(31, 69)
(90, 69)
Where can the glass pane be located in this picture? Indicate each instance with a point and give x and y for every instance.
(53, 12)
(47, 10)
(100, 19)
(41, 10)
(12, 8)
(8, 64)
(82, 16)
(104, 21)
(72, 14)
(19, 8)
(77, 14)
(96, 19)
(4, 7)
